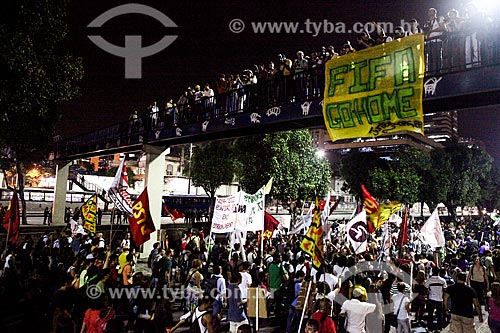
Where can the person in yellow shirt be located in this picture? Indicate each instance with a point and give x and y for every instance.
(122, 259)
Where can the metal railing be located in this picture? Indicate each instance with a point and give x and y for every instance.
(281, 90)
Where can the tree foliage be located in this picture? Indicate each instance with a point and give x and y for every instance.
(288, 157)
(401, 179)
(456, 175)
(212, 166)
(37, 76)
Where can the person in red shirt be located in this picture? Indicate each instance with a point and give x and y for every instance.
(326, 324)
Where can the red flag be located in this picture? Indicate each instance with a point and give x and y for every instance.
(11, 219)
(403, 231)
(141, 223)
(174, 214)
(371, 207)
(270, 223)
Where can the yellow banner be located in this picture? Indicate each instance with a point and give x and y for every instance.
(376, 91)
(89, 214)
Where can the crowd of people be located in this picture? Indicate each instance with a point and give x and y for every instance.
(51, 283)
(452, 42)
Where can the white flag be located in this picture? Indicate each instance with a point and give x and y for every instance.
(357, 233)
(118, 192)
(305, 221)
(250, 211)
(432, 232)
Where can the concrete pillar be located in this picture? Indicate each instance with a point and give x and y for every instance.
(155, 171)
(62, 172)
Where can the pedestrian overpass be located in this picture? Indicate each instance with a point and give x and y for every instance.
(265, 107)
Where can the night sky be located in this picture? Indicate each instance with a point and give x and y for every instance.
(205, 47)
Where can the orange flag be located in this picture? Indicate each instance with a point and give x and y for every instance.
(371, 207)
(141, 223)
(11, 219)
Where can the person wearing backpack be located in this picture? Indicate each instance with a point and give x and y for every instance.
(193, 284)
(202, 320)
(154, 252)
(478, 279)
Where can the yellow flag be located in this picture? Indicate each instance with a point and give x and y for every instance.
(269, 185)
(89, 214)
(376, 91)
(384, 213)
(312, 243)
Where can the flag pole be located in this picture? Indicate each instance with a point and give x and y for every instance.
(111, 228)
(8, 236)
(306, 302)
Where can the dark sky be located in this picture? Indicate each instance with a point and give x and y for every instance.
(205, 47)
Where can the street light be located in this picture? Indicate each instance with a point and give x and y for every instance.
(320, 153)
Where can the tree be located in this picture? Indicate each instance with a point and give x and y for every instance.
(401, 179)
(356, 168)
(289, 157)
(37, 76)
(468, 167)
(212, 166)
(490, 194)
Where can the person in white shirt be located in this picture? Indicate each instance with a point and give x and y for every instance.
(436, 286)
(246, 280)
(126, 241)
(356, 312)
(328, 277)
(401, 309)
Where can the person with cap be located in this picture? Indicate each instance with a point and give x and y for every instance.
(89, 273)
(356, 312)
(401, 309)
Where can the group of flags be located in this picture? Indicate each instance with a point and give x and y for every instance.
(139, 216)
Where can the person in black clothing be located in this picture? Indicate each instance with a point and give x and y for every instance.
(45, 215)
(463, 300)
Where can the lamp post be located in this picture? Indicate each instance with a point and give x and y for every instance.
(189, 167)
